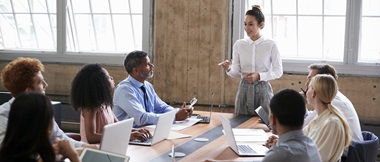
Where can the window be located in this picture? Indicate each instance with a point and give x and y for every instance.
(74, 30)
(370, 33)
(308, 31)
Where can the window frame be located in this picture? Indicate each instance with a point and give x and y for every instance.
(350, 65)
(62, 56)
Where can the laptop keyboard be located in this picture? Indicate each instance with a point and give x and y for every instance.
(204, 118)
(245, 149)
(149, 140)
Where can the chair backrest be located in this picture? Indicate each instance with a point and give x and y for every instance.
(364, 151)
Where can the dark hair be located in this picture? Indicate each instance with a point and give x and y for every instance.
(19, 74)
(289, 108)
(134, 59)
(324, 69)
(256, 12)
(29, 123)
(91, 88)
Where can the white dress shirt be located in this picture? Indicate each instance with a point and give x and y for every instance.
(328, 133)
(260, 56)
(344, 105)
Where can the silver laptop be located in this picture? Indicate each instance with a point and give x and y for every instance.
(241, 150)
(162, 130)
(263, 115)
(206, 119)
(116, 136)
(93, 155)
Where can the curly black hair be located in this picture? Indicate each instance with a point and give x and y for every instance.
(91, 88)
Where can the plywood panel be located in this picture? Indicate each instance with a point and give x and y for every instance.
(193, 69)
(161, 27)
(218, 47)
(179, 53)
(204, 50)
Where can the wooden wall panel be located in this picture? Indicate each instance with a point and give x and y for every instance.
(195, 38)
(219, 21)
(161, 26)
(204, 50)
(193, 67)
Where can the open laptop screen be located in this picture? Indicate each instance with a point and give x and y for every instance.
(92, 155)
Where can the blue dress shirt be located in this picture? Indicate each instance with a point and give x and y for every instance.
(293, 146)
(128, 101)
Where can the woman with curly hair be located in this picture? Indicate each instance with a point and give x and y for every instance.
(91, 91)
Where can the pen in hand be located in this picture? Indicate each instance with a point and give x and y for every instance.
(303, 91)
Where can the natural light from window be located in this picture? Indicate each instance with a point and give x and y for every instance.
(91, 25)
(307, 29)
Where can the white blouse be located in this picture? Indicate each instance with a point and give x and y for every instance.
(328, 133)
(260, 56)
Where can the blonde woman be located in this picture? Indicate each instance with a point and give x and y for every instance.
(329, 129)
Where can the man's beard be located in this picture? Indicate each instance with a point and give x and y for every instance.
(148, 74)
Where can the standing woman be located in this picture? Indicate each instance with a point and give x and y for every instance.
(29, 128)
(91, 91)
(329, 129)
(256, 60)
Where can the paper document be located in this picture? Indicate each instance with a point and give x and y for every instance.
(248, 132)
(256, 139)
(179, 125)
(176, 135)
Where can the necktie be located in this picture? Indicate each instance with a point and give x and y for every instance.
(145, 98)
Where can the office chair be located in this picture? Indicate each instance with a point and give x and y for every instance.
(365, 151)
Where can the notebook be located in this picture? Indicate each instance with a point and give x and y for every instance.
(93, 155)
(116, 136)
(239, 149)
(206, 119)
(162, 130)
(263, 116)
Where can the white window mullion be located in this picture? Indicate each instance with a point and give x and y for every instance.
(132, 25)
(33, 24)
(147, 33)
(61, 26)
(297, 28)
(324, 55)
(50, 24)
(93, 26)
(353, 22)
(16, 25)
(113, 25)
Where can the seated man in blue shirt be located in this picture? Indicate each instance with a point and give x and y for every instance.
(287, 111)
(135, 97)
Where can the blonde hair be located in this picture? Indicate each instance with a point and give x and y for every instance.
(326, 87)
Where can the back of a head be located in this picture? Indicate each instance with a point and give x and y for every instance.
(134, 59)
(19, 74)
(325, 87)
(289, 108)
(324, 68)
(30, 121)
(90, 88)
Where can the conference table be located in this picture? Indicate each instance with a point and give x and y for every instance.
(216, 148)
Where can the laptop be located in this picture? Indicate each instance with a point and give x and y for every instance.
(263, 115)
(93, 155)
(116, 136)
(162, 130)
(206, 119)
(240, 149)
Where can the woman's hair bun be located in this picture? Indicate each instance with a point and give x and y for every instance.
(256, 7)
